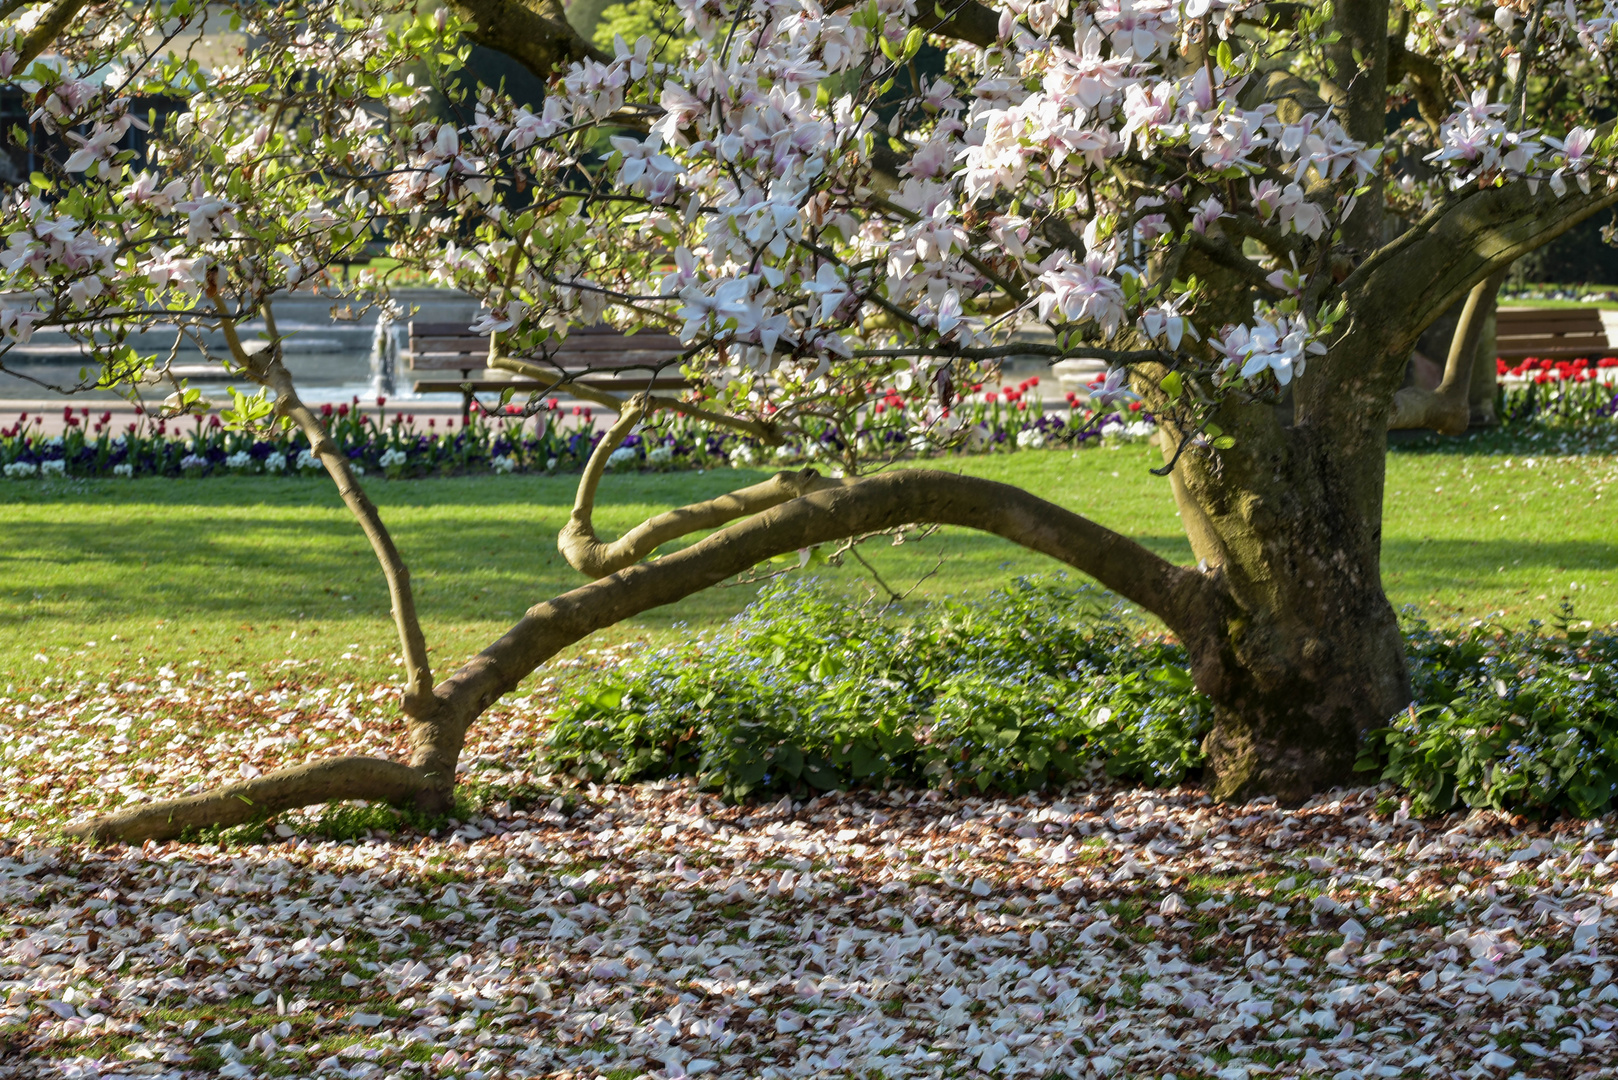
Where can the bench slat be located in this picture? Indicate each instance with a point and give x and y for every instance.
(1565, 315)
(1558, 334)
(1549, 334)
(436, 386)
(1552, 352)
(595, 365)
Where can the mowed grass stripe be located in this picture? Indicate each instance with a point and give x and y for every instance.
(249, 573)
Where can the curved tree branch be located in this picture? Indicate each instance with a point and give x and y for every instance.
(1448, 409)
(1181, 597)
(259, 798)
(588, 554)
(1188, 601)
(1415, 278)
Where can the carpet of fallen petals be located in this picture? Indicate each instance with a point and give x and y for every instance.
(652, 931)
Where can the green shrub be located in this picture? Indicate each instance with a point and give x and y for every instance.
(1524, 721)
(1044, 683)
(1040, 684)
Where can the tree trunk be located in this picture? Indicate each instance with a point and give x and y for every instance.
(1306, 654)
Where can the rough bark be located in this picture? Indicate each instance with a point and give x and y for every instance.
(1307, 654)
(535, 33)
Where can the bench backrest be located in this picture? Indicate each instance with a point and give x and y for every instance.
(1553, 333)
(451, 346)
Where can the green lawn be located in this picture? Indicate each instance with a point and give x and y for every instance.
(102, 577)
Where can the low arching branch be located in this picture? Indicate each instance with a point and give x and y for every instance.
(585, 552)
(1182, 597)
(1187, 600)
(260, 798)
(589, 554)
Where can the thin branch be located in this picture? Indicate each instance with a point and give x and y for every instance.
(1019, 348)
(584, 500)
(587, 553)
(266, 368)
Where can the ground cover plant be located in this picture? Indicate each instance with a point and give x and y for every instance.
(1042, 685)
(1036, 685)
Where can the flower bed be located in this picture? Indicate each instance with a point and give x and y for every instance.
(556, 439)
(1557, 393)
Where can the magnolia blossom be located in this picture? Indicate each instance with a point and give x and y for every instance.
(98, 146)
(1113, 388)
(829, 287)
(1576, 159)
(1282, 346)
(489, 322)
(1082, 291)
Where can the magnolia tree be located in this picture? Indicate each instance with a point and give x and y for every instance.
(1248, 211)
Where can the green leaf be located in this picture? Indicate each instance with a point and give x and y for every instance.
(1173, 385)
(1223, 56)
(1176, 677)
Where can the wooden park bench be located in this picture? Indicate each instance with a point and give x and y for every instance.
(602, 357)
(1549, 334)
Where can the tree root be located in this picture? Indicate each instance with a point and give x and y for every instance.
(263, 796)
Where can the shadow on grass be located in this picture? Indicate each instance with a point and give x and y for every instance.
(1445, 560)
